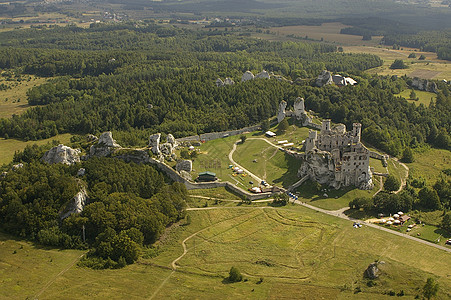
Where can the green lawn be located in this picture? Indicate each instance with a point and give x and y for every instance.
(424, 97)
(335, 199)
(9, 146)
(270, 164)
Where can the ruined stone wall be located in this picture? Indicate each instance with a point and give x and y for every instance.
(217, 135)
(171, 173)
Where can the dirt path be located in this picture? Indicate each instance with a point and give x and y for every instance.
(48, 284)
(403, 180)
(258, 179)
(381, 186)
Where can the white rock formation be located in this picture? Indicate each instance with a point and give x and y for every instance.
(166, 149)
(263, 74)
(185, 165)
(281, 112)
(154, 143)
(247, 76)
(81, 172)
(105, 146)
(324, 78)
(77, 204)
(107, 139)
(62, 155)
(17, 167)
(171, 140)
(319, 166)
(229, 81)
(219, 82)
(424, 85)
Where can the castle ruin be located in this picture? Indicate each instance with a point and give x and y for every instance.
(336, 157)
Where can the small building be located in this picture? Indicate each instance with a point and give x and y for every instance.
(270, 134)
(207, 176)
(404, 218)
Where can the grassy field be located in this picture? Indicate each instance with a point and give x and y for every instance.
(284, 253)
(329, 32)
(14, 100)
(430, 68)
(429, 164)
(424, 97)
(335, 199)
(9, 146)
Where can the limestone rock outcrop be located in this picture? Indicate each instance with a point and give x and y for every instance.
(62, 155)
(247, 76)
(154, 143)
(81, 172)
(76, 205)
(424, 85)
(105, 146)
(184, 165)
(171, 140)
(17, 166)
(318, 165)
(166, 149)
(281, 111)
(324, 78)
(263, 74)
(106, 139)
(219, 82)
(227, 81)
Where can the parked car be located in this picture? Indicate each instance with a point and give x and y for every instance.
(448, 242)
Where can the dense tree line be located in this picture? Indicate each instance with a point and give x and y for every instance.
(129, 206)
(166, 84)
(431, 41)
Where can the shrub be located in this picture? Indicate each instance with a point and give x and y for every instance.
(398, 64)
(235, 275)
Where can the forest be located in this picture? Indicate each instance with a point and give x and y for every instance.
(140, 78)
(134, 78)
(129, 206)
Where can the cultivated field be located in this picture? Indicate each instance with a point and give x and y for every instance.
(329, 32)
(283, 253)
(9, 146)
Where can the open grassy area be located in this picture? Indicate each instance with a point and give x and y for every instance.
(429, 164)
(335, 199)
(430, 68)
(9, 146)
(267, 162)
(293, 250)
(25, 268)
(423, 97)
(14, 100)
